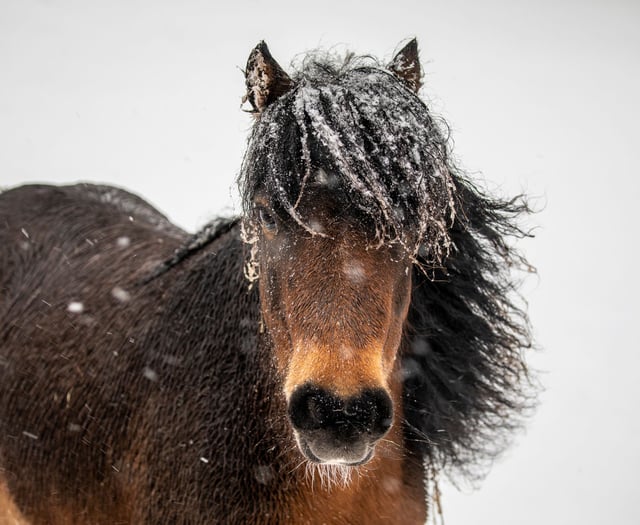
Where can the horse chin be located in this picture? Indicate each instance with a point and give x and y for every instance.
(322, 455)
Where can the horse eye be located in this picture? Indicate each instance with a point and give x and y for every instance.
(267, 219)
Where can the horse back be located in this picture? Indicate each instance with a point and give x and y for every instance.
(71, 313)
(41, 224)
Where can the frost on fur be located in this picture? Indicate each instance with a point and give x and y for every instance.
(354, 120)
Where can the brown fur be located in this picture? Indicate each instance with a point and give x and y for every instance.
(342, 328)
(9, 513)
(166, 408)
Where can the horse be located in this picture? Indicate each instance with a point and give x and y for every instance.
(319, 359)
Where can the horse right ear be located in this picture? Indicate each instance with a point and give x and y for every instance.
(266, 81)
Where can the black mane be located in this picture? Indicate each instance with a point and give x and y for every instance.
(372, 136)
(465, 381)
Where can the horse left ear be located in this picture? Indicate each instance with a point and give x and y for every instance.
(266, 81)
(406, 66)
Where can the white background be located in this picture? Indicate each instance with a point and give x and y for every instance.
(541, 96)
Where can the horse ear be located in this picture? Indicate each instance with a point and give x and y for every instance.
(406, 66)
(265, 79)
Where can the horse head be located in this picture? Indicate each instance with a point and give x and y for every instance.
(342, 170)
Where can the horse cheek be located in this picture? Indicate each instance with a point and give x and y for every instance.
(400, 310)
(274, 315)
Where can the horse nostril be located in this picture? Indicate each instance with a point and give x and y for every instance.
(317, 410)
(371, 411)
(313, 408)
(350, 410)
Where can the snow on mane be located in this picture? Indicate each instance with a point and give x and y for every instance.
(356, 121)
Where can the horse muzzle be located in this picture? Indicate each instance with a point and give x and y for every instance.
(335, 430)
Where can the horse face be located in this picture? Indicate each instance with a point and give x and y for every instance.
(334, 307)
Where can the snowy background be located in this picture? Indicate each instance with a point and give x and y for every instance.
(541, 96)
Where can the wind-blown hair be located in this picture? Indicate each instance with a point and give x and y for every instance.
(371, 135)
(465, 381)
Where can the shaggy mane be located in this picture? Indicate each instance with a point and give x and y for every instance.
(375, 139)
(466, 383)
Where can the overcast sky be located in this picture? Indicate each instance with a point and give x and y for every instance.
(540, 96)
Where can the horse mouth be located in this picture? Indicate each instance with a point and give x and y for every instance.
(344, 455)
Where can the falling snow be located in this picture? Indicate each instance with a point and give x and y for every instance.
(123, 242)
(264, 474)
(316, 226)
(150, 374)
(120, 294)
(75, 307)
(354, 271)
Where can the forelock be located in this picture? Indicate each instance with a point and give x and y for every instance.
(356, 120)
